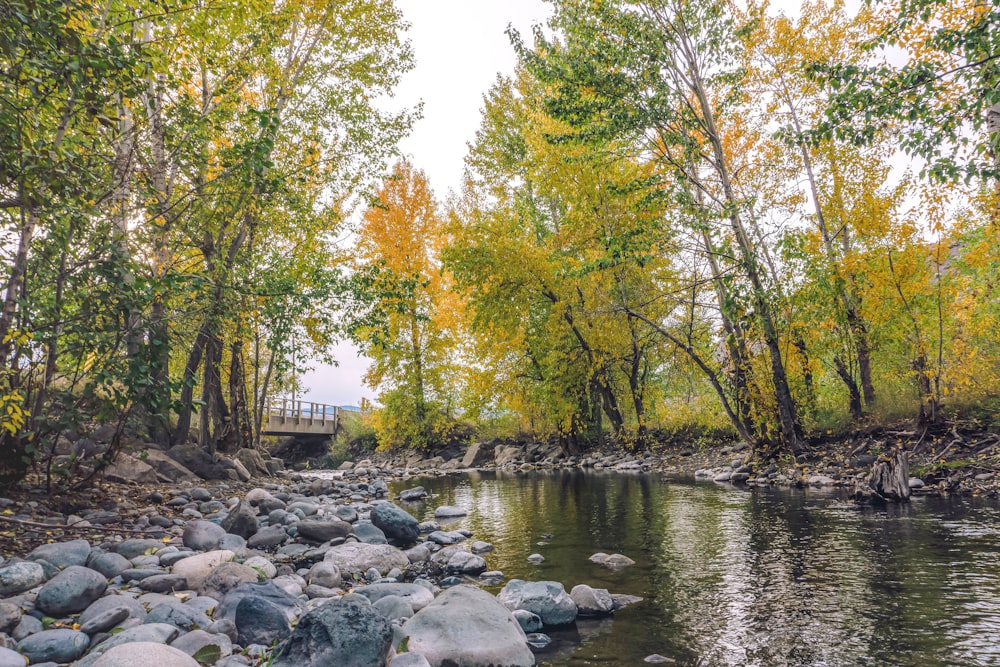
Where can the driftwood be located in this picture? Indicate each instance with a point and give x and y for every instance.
(888, 482)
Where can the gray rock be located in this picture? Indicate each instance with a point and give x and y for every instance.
(536, 558)
(358, 557)
(10, 658)
(346, 513)
(916, 483)
(548, 599)
(397, 524)
(60, 645)
(28, 625)
(10, 616)
(225, 578)
(415, 595)
(393, 607)
(110, 602)
(369, 533)
(195, 569)
(202, 535)
(592, 602)
(324, 574)
(410, 660)
(137, 547)
(821, 480)
(469, 627)
(197, 640)
(62, 554)
(414, 494)
(71, 591)
(260, 622)
(157, 633)
(346, 633)
(105, 620)
(528, 621)
(268, 590)
(179, 615)
(109, 564)
(318, 531)
(464, 562)
(614, 561)
(242, 520)
(269, 536)
(20, 577)
(449, 512)
(163, 583)
(145, 653)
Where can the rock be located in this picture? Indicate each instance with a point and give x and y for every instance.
(225, 578)
(268, 536)
(20, 577)
(397, 524)
(464, 562)
(916, 483)
(268, 590)
(346, 633)
(536, 558)
(528, 621)
(469, 627)
(197, 640)
(134, 547)
(109, 564)
(592, 602)
(821, 480)
(252, 460)
(198, 461)
(413, 495)
(614, 561)
(133, 609)
(393, 608)
(473, 455)
(10, 658)
(369, 533)
(157, 633)
(358, 557)
(127, 469)
(657, 659)
(538, 640)
(203, 535)
(105, 620)
(163, 583)
(410, 660)
(449, 512)
(723, 476)
(505, 455)
(145, 653)
(195, 569)
(167, 468)
(60, 645)
(71, 591)
(325, 574)
(263, 566)
(415, 595)
(10, 616)
(242, 520)
(179, 615)
(548, 599)
(62, 554)
(259, 621)
(323, 531)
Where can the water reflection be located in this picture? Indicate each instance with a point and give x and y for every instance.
(736, 577)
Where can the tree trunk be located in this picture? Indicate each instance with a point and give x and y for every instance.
(15, 282)
(854, 394)
(888, 482)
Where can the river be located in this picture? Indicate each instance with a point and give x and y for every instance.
(731, 576)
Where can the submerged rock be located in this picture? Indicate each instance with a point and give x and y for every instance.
(548, 599)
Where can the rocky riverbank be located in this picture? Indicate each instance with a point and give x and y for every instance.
(293, 571)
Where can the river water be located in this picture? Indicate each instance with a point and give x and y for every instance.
(732, 576)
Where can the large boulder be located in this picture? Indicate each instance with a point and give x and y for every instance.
(359, 557)
(469, 627)
(127, 469)
(346, 633)
(71, 591)
(318, 530)
(200, 462)
(60, 645)
(167, 468)
(203, 535)
(195, 569)
(253, 462)
(242, 520)
(145, 653)
(62, 554)
(397, 524)
(267, 590)
(20, 577)
(548, 599)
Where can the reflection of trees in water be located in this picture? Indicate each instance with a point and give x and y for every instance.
(733, 577)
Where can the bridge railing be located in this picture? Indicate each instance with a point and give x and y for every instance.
(305, 413)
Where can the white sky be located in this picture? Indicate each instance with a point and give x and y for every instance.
(460, 46)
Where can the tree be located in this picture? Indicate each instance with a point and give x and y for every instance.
(399, 242)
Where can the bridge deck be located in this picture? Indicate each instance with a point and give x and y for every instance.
(290, 417)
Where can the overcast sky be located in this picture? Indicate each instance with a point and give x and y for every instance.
(460, 46)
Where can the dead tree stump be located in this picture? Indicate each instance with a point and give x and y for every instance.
(888, 482)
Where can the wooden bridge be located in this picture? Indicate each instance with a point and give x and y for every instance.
(290, 417)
